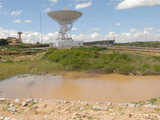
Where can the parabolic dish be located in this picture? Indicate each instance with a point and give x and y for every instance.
(65, 16)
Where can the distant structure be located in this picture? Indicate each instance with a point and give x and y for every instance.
(65, 18)
(100, 43)
(20, 36)
(14, 40)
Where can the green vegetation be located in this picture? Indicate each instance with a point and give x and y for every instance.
(18, 50)
(153, 101)
(15, 60)
(38, 45)
(153, 44)
(9, 69)
(99, 60)
(20, 47)
(3, 42)
(92, 59)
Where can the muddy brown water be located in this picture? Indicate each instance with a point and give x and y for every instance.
(114, 88)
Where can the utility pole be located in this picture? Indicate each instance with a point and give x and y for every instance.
(41, 36)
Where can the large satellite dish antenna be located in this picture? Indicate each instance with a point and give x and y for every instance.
(65, 18)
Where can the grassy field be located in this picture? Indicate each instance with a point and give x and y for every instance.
(93, 60)
(9, 69)
(17, 60)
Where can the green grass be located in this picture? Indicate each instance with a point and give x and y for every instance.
(9, 69)
(153, 101)
(24, 45)
(18, 50)
(93, 59)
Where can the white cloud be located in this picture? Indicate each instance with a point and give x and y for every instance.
(113, 2)
(20, 21)
(81, 0)
(34, 37)
(27, 21)
(96, 29)
(158, 31)
(118, 24)
(74, 29)
(83, 5)
(149, 28)
(95, 35)
(83, 37)
(16, 12)
(17, 21)
(1, 5)
(5, 33)
(110, 36)
(132, 30)
(53, 1)
(125, 4)
(47, 10)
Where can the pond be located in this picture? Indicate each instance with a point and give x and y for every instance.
(114, 88)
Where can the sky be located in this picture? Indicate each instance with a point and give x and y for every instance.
(122, 20)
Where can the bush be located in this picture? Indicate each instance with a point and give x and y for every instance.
(73, 58)
(3, 42)
(96, 59)
(153, 101)
(156, 67)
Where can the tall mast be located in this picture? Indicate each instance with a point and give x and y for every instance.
(41, 36)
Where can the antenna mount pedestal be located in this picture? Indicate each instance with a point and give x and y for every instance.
(63, 33)
(65, 18)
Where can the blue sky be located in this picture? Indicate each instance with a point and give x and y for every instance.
(102, 19)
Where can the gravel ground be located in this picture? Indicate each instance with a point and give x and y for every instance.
(40, 109)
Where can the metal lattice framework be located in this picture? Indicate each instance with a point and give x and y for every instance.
(65, 18)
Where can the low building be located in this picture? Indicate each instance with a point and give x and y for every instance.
(14, 40)
(66, 43)
(100, 43)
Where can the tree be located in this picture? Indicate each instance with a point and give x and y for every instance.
(3, 42)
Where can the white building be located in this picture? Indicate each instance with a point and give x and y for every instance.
(66, 43)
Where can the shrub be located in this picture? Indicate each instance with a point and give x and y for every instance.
(156, 67)
(153, 101)
(144, 67)
(93, 59)
(3, 42)
(156, 58)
